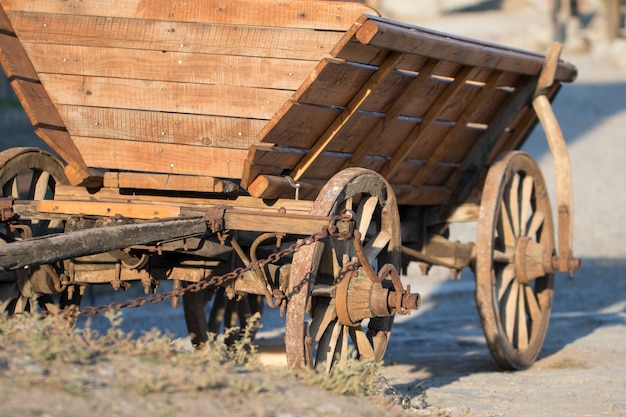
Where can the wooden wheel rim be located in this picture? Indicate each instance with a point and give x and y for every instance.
(45, 173)
(514, 314)
(342, 187)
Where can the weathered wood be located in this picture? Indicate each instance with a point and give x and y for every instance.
(271, 187)
(352, 108)
(61, 142)
(161, 127)
(156, 35)
(443, 148)
(207, 99)
(155, 65)
(166, 182)
(72, 193)
(5, 24)
(37, 104)
(159, 157)
(134, 211)
(416, 40)
(14, 61)
(295, 14)
(53, 248)
(430, 116)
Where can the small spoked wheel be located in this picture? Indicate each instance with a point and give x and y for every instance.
(327, 287)
(514, 274)
(29, 174)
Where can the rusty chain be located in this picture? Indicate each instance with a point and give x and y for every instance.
(213, 282)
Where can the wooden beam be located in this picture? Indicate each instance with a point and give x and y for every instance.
(163, 35)
(416, 40)
(14, 60)
(307, 14)
(37, 104)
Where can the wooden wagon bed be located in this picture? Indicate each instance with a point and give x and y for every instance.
(213, 95)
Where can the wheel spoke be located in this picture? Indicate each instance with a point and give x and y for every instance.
(41, 181)
(324, 315)
(332, 346)
(375, 246)
(502, 284)
(527, 192)
(506, 226)
(535, 223)
(522, 326)
(531, 301)
(365, 214)
(514, 205)
(362, 343)
(509, 302)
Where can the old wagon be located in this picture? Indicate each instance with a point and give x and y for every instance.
(293, 154)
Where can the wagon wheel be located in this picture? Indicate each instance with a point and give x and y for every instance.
(224, 314)
(31, 174)
(317, 272)
(515, 244)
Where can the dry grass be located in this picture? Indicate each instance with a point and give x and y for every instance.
(49, 352)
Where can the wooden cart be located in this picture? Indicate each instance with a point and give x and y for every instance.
(194, 138)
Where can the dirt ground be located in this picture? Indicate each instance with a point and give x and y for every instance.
(437, 357)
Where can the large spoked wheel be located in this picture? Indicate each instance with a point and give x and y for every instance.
(515, 244)
(224, 315)
(317, 335)
(29, 174)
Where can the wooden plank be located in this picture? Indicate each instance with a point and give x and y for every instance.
(422, 196)
(14, 60)
(333, 83)
(298, 125)
(428, 119)
(355, 103)
(173, 37)
(37, 104)
(284, 74)
(167, 182)
(473, 167)
(61, 142)
(218, 100)
(136, 125)
(161, 158)
(5, 24)
(73, 193)
(323, 15)
(416, 40)
(131, 210)
(446, 141)
(392, 114)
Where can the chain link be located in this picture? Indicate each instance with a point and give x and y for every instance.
(202, 285)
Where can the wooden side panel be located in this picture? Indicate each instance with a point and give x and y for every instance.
(157, 35)
(160, 127)
(157, 157)
(169, 66)
(220, 100)
(326, 15)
